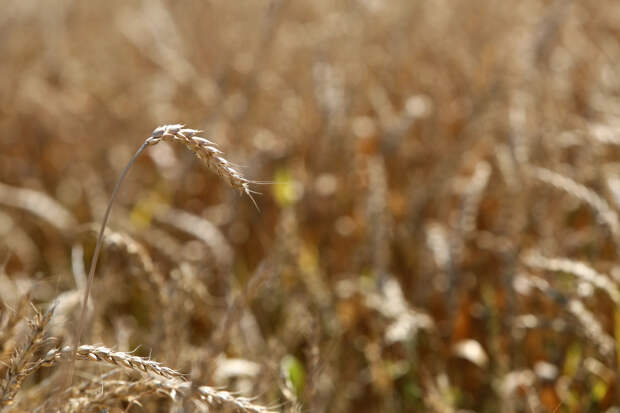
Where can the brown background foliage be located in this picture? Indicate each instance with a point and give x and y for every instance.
(443, 179)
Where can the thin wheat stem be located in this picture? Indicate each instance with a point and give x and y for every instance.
(93, 263)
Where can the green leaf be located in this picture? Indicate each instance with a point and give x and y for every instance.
(294, 374)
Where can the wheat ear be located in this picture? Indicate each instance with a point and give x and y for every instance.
(17, 367)
(206, 151)
(157, 377)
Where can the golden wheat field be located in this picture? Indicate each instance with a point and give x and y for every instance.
(310, 206)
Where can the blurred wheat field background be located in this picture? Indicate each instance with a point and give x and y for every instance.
(439, 231)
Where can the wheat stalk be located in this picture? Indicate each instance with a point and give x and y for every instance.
(580, 269)
(592, 327)
(206, 151)
(39, 204)
(605, 213)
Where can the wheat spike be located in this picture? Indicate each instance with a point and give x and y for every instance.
(606, 214)
(18, 365)
(577, 268)
(206, 151)
(155, 378)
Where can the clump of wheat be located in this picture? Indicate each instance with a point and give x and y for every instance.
(157, 378)
(132, 392)
(142, 380)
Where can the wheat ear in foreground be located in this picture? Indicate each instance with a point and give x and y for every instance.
(206, 151)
